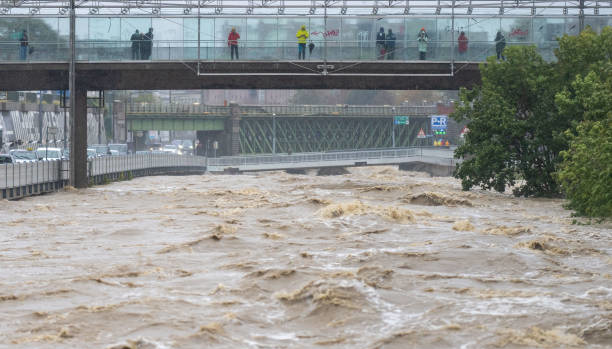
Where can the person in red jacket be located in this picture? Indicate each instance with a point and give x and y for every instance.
(463, 44)
(232, 42)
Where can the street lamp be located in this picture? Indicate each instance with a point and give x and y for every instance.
(273, 133)
(393, 127)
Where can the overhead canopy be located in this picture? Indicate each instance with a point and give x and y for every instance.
(49, 8)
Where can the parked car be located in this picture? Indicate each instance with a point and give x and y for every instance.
(118, 149)
(49, 153)
(101, 149)
(91, 153)
(155, 146)
(142, 152)
(20, 155)
(6, 159)
(170, 148)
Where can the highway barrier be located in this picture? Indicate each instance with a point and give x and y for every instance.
(31, 178)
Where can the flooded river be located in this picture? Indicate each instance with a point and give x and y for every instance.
(377, 258)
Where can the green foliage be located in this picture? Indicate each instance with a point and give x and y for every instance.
(38, 30)
(577, 55)
(512, 121)
(586, 172)
(519, 116)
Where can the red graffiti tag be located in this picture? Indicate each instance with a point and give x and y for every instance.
(333, 32)
(519, 32)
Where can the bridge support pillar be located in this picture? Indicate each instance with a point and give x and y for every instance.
(78, 139)
(119, 123)
(232, 131)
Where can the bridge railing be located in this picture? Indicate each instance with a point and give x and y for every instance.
(115, 164)
(282, 110)
(259, 50)
(237, 161)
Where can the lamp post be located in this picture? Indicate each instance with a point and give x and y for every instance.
(393, 127)
(273, 133)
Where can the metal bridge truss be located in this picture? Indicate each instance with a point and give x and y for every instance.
(316, 134)
(301, 7)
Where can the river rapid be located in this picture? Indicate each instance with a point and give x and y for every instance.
(377, 258)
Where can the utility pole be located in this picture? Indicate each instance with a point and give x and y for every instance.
(581, 15)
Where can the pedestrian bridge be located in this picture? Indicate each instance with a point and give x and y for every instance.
(188, 48)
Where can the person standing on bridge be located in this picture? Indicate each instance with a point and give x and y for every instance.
(500, 44)
(135, 39)
(390, 46)
(148, 44)
(463, 44)
(380, 44)
(302, 35)
(23, 45)
(422, 39)
(232, 42)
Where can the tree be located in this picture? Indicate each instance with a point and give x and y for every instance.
(512, 121)
(586, 172)
(519, 116)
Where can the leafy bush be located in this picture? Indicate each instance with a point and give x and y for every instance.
(586, 172)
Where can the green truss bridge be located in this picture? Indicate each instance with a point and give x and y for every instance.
(245, 129)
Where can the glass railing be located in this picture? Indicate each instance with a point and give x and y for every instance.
(187, 50)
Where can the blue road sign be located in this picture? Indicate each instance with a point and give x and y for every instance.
(439, 121)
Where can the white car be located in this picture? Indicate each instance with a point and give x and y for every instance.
(49, 153)
(20, 156)
(171, 148)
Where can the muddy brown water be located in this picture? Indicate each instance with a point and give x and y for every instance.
(376, 258)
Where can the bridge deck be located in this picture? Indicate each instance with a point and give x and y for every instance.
(443, 157)
(141, 75)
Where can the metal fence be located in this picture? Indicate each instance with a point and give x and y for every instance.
(31, 173)
(313, 157)
(114, 164)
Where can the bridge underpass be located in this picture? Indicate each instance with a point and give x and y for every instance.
(347, 54)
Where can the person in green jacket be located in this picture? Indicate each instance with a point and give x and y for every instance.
(422, 39)
(302, 36)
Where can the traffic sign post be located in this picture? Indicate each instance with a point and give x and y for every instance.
(421, 134)
(439, 124)
(401, 120)
(398, 120)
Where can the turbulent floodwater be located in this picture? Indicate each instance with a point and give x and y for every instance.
(377, 258)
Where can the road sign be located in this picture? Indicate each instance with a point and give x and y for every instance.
(401, 120)
(421, 134)
(464, 130)
(439, 121)
(52, 130)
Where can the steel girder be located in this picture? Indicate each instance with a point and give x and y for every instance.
(308, 134)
